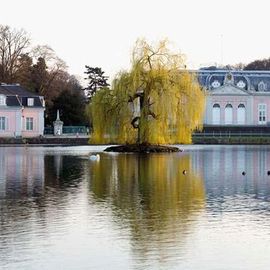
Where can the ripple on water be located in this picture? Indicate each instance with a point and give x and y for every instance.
(58, 210)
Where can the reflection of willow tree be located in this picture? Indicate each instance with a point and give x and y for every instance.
(151, 194)
(157, 101)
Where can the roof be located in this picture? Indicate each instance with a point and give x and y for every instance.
(15, 89)
(13, 101)
(252, 80)
(16, 95)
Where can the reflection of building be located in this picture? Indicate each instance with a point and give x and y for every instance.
(21, 172)
(21, 112)
(236, 97)
(222, 168)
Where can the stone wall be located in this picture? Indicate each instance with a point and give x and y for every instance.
(46, 141)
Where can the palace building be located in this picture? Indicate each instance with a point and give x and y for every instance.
(21, 112)
(236, 98)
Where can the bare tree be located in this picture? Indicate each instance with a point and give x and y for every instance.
(48, 54)
(50, 69)
(13, 44)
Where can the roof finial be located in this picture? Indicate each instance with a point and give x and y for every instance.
(229, 78)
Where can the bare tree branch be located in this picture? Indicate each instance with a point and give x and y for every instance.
(13, 44)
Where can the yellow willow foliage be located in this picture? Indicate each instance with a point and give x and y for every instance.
(172, 107)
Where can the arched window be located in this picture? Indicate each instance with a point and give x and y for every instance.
(228, 114)
(216, 114)
(241, 114)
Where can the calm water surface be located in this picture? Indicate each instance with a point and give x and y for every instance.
(59, 210)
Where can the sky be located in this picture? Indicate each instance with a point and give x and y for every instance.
(102, 33)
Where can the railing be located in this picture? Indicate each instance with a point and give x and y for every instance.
(232, 137)
(228, 134)
(71, 130)
(48, 130)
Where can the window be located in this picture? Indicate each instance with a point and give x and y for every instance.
(215, 84)
(262, 113)
(29, 123)
(216, 114)
(228, 114)
(241, 114)
(2, 123)
(241, 84)
(2, 100)
(261, 86)
(30, 102)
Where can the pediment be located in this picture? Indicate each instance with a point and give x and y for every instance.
(229, 90)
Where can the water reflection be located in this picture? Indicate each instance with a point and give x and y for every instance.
(230, 193)
(63, 171)
(223, 167)
(37, 194)
(27, 173)
(61, 210)
(152, 197)
(21, 173)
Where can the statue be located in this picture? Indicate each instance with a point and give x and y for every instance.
(57, 126)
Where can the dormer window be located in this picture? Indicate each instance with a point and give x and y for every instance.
(241, 84)
(261, 86)
(30, 102)
(2, 100)
(215, 84)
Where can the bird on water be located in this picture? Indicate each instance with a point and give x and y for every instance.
(94, 157)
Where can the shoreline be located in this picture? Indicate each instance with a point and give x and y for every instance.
(84, 140)
(72, 140)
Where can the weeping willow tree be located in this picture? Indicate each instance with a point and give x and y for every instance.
(156, 102)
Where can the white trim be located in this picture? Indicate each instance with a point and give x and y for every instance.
(7, 124)
(2, 100)
(41, 122)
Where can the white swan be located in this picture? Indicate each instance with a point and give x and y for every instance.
(94, 157)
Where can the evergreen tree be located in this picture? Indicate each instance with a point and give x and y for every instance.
(71, 103)
(24, 72)
(97, 80)
(40, 76)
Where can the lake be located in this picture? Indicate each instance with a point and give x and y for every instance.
(204, 208)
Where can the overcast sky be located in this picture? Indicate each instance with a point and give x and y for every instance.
(102, 33)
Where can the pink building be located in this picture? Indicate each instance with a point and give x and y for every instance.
(21, 112)
(236, 98)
